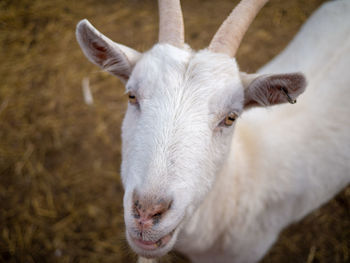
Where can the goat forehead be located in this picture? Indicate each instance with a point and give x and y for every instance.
(171, 73)
(161, 69)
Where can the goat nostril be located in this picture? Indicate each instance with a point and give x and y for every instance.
(156, 217)
(159, 214)
(150, 209)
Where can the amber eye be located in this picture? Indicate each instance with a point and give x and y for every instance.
(132, 98)
(230, 119)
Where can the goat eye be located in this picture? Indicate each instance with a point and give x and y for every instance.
(132, 98)
(230, 119)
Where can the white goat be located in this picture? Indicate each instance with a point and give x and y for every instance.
(189, 183)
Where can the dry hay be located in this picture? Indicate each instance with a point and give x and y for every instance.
(60, 191)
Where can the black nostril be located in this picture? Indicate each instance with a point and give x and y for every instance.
(159, 214)
(156, 218)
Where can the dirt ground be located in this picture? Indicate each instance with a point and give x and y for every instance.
(60, 191)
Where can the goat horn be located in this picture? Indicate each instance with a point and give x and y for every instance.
(231, 32)
(171, 26)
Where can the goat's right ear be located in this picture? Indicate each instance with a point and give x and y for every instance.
(114, 58)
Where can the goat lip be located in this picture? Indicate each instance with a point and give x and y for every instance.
(151, 245)
(146, 245)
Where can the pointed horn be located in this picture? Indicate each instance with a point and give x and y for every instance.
(229, 36)
(171, 26)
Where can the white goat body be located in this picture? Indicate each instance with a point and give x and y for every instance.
(211, 196)
(285, 161)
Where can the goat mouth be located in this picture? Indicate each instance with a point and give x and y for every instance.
(151, 245)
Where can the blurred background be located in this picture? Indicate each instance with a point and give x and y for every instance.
(60, 191)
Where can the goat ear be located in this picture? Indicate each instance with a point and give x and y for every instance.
(114, 58)
(268, 90)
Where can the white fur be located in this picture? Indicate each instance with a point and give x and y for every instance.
(284, 161)
(232, 195)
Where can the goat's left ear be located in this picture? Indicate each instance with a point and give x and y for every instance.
(275, 89)
(114, 58)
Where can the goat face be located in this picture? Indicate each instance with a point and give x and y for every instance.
(174, 139)
(178, 127)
